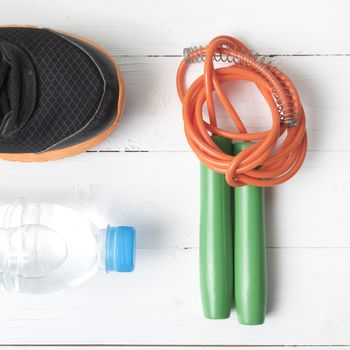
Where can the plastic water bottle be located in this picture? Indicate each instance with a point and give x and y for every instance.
(47, 247)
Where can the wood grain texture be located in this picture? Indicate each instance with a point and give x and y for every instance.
(146, 175)
(159, 194)
(159, 304)
(153, 121)
(157, 347)
(159, 27)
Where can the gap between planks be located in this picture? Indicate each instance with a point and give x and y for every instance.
(101, 346)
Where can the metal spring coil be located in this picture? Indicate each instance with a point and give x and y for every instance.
(236, 55)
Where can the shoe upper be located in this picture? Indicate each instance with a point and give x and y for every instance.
(55, 90)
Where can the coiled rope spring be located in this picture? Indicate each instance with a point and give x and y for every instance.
(265, 163)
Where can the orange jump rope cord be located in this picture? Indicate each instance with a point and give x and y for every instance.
(264, 163)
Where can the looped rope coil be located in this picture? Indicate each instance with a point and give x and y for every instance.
(265, 163)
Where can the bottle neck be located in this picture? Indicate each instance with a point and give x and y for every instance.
(101, 249)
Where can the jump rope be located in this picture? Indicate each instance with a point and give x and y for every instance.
(232, 229)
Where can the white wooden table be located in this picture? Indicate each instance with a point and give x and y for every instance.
(146, 175)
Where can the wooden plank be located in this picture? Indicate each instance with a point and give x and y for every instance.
(140, 347)
(159, 304)
(153, 119)
(159, 194)
(157, 191)
(158, 27)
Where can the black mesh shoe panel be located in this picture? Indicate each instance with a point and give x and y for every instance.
(70, 88)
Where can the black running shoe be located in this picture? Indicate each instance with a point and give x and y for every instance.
(59, 94)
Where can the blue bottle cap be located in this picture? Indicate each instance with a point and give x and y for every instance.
(120, 248)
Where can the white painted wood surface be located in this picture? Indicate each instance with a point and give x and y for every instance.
(145, 175)
(103, 347)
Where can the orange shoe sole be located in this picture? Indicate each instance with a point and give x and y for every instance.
(85, 145)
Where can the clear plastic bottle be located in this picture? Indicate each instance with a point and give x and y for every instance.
(47, 247)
